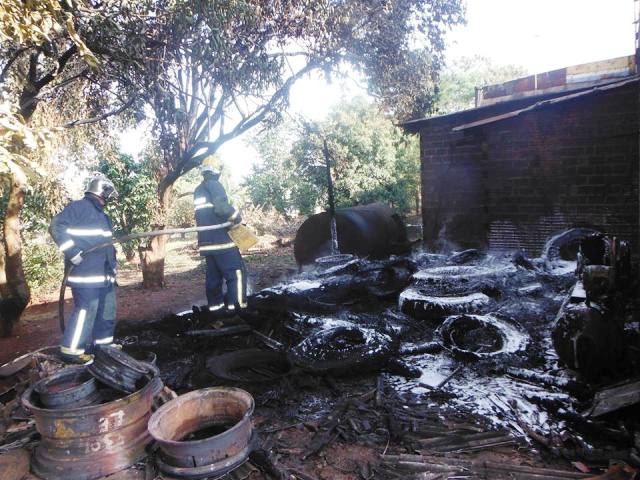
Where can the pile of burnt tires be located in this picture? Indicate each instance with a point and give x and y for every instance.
(460, 301)
(438, 292)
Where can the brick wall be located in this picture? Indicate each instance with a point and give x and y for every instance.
(510, 184)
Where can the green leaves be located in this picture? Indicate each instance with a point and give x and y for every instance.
(372, 161)
(459, 81)
(137, 201)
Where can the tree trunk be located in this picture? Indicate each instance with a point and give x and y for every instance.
(13, 285)
(152, 262)
(152, 255)
(130, 255)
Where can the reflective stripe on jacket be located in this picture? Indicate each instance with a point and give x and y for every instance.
(80, 226)
(212, 208)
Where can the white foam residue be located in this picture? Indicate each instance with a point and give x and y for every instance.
(302, 285)
(514, 339)
(632, 327)
(328, 322)
(502, 400)
(338, 268)
(413, 294)
(464, 271)
(563, 267)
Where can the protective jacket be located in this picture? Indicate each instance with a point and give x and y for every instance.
(212, 208)
(80, 226)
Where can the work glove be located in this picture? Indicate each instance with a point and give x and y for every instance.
(77, 260)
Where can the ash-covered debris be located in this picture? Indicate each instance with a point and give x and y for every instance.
(491, 317)
(338, 363)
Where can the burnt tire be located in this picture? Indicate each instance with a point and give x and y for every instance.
(344, 350)
(472, 337)
(461, 279)
(421, 304)
(564, 246)
(249, 366)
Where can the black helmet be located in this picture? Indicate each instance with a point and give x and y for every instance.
(101, 186)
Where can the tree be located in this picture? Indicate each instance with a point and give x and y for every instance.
(271, 183)
(225, 67)
(458, 83)
(371, 160)
(45, 60)
(136, 203)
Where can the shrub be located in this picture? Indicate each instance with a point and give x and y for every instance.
(43, 264)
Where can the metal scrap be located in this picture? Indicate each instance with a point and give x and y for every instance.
(86, 443)
(203, 433)
(615, 397)
(69, 388)
(118, 370)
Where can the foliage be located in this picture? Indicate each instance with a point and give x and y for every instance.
(220, 68)
(43, 264)
(181, 213)
(268, 221)
(371, 161)
(271, 183)
(458, 82)
(136, 203)
(44, 59)
(35, 23)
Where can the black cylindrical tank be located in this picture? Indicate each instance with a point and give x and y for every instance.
(373, 231)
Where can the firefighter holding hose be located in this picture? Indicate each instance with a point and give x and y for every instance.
(81, 225)
(224, 262)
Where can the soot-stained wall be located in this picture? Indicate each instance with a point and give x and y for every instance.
(510, 184)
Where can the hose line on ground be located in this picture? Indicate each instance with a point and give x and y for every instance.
(68, 269)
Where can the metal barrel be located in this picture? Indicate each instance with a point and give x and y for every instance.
(213, 451)
(373, 231)
(90, 442)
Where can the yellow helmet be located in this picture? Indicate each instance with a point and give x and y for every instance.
(211, 164)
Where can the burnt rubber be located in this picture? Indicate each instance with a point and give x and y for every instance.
(250, 365)
(472, 337)
(564, 246)
(343, 350)
(419, 304)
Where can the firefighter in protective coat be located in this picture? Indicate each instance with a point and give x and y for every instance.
(80, 226)
(224, 262)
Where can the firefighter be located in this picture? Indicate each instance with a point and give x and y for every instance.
(81, 225)
(224, 262)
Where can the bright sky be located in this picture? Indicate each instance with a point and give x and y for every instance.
(539, 35)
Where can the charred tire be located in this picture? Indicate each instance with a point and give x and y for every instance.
(564, 246)
(308, 295)
(250, 366)
(419, 304)
(460, 279)
(473, 337)
(343, 350)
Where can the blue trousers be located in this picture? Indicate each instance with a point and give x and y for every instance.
(227, 267)
(92, 321)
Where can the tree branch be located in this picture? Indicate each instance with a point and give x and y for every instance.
(16, 55)
(62, 62)
(101, 117)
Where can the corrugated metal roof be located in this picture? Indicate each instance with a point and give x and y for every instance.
(546, 103)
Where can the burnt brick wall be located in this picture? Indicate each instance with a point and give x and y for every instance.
(510, 184)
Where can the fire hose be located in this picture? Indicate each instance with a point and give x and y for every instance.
(126, 238)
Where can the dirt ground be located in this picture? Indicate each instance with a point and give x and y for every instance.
(184, 277)
(359, 425)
